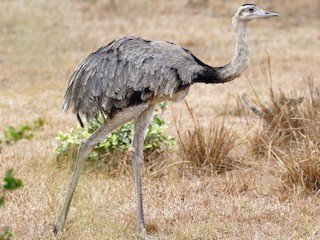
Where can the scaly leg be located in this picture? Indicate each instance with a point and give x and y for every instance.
(136, 158)
(85, 148)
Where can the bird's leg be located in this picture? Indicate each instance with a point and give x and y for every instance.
(136, 158)
(86, 147)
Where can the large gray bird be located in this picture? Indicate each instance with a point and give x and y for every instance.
(127, 78)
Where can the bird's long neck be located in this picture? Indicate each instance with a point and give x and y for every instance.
(238, 63)
(240, 59)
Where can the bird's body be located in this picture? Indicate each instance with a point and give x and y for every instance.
(125, 79)
(128, 71)
(132, 70)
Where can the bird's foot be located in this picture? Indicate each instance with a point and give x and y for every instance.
(57, 227)
(145, 236)
(143, 232)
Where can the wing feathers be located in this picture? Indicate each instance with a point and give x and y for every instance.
(126, 71)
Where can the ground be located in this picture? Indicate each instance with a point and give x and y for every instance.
(41, 42)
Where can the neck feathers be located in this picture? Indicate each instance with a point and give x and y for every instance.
(238, 63)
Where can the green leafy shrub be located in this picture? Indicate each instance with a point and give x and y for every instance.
(5, 233)
(9, 183)
(156, 139)
(11, 134)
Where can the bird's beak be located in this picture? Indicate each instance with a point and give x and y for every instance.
(266, 14)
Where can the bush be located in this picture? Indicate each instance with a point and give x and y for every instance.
(156, 139)
(9, 183)
(11, 134)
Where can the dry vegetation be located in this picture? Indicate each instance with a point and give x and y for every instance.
(266, 182)
(207, 148)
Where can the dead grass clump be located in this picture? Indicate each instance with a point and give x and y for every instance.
(290, 133)
(282, 117)
(302, 169)
(311, 111)
(282, 121)
(302, 164)
(207, 147)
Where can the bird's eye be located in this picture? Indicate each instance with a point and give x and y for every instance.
(251, 9)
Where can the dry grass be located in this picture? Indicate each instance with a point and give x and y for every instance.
(207, 148)
(274, 197)
(303, 164)
(283, 123)
(290, 133)
(303, 169)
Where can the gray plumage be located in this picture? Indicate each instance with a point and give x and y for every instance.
(127, 78)
(128, 71)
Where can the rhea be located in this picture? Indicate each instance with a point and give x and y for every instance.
(125, 79)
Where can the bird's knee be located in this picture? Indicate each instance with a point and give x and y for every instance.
(136, 155)
(132, 149)
(85, 147)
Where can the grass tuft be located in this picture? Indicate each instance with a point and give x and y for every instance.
(290, 133)
(282, 117)
(207, 148)
(302, 169)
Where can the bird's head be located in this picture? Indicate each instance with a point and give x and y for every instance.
(248, 12)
